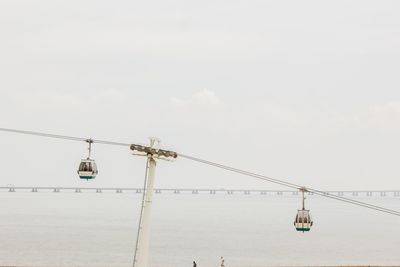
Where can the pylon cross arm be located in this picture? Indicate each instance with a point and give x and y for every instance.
(153, 151)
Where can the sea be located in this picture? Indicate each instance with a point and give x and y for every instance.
(99, 230)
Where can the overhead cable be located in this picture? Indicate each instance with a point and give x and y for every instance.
(292, 185)
(217, 165)
(65, 137)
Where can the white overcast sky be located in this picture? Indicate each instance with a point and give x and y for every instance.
(308, 91)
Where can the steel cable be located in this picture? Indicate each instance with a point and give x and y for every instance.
(221, 166)
(295, 186)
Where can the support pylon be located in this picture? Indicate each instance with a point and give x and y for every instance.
(143, 236)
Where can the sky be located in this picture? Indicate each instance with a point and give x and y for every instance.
(305, 91)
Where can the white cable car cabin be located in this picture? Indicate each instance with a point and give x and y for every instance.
(303, 220)
(88, 168)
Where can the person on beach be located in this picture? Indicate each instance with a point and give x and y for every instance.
(194, 264)
(222, 262)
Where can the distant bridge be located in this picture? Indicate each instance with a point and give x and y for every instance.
(353, 193)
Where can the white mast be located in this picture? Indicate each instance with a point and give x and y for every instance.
(143, 237)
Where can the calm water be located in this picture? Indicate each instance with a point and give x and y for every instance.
(69, 229)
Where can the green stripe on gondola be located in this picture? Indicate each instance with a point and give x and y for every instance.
(303, 229)
(87, 177)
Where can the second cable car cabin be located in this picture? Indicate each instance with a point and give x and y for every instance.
(303, 220)
(88, 168)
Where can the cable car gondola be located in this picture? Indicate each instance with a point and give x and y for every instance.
(88, 168)
(303, 220)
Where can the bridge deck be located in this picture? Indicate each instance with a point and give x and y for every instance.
(34, 189)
